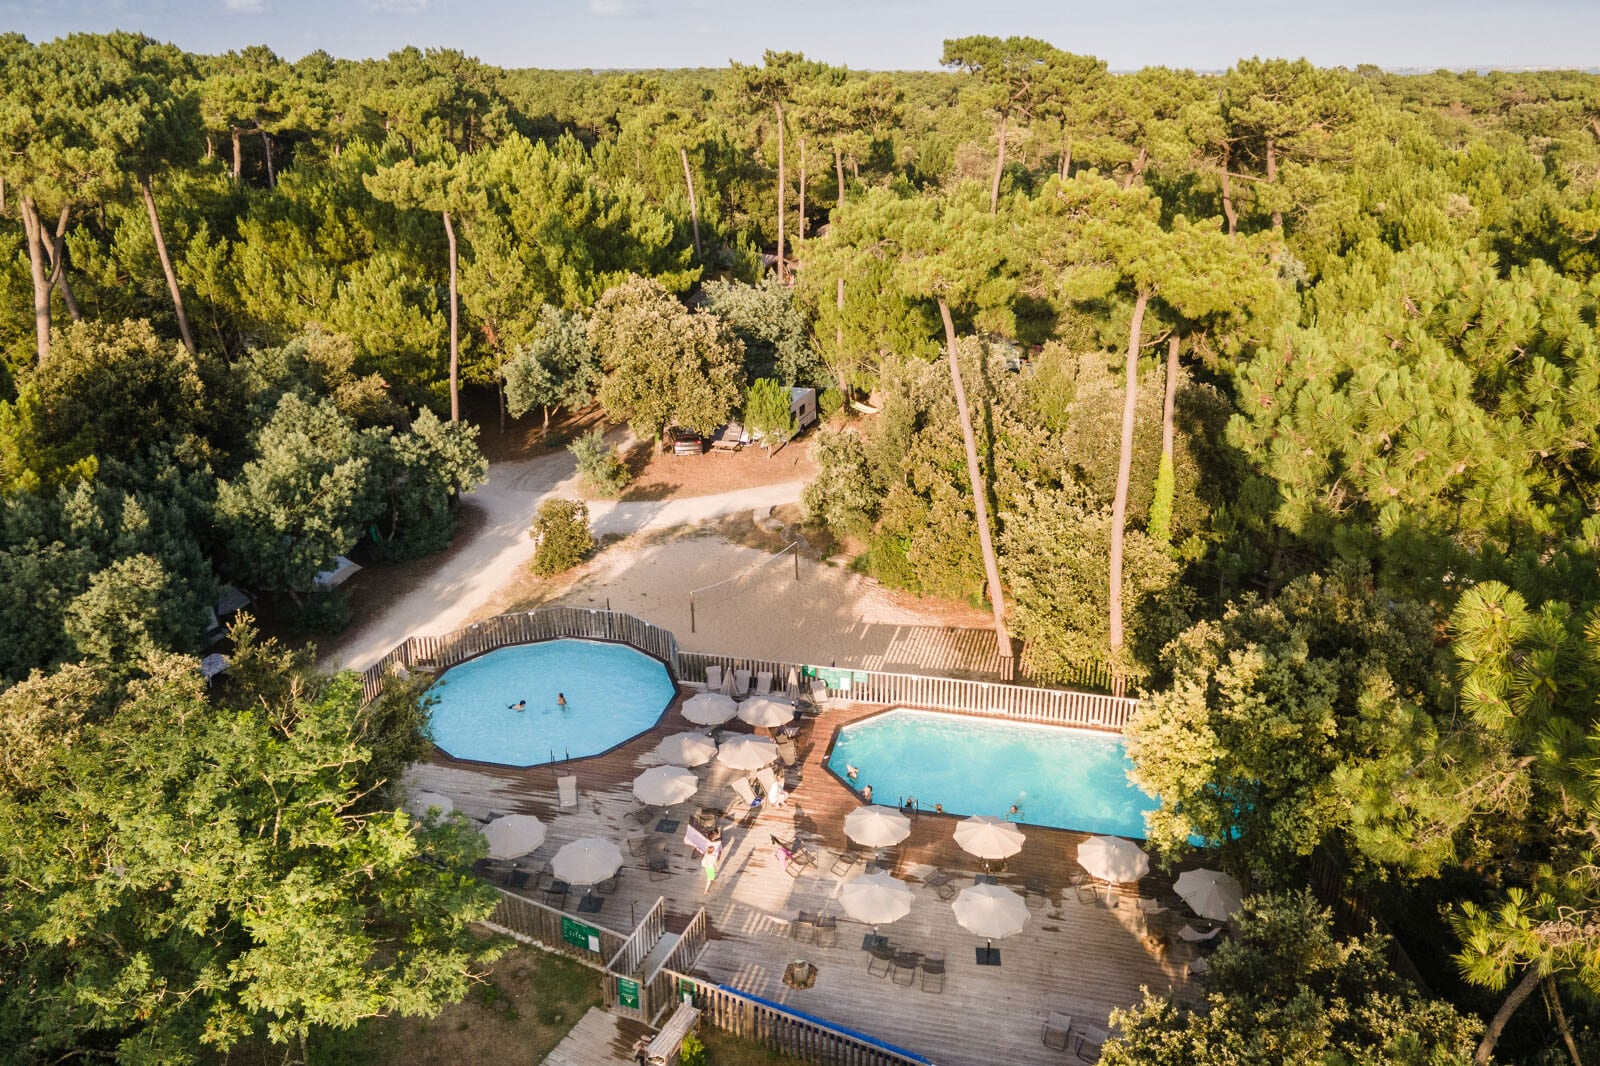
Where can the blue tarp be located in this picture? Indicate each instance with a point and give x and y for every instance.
(813, 1019)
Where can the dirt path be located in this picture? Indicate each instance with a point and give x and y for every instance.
(494, 543)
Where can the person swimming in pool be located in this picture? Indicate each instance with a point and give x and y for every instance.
(561, 699)
(866, 793)
(520, 705)
(1015, 812)
(851, 772)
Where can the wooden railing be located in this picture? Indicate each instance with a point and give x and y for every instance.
(788, 1032)
(660, 988)
(1353, 912)
(641, 941)
(1057, 706)
(549, 928)
(524, 627)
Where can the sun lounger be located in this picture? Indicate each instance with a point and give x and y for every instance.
(851, 855)
(827, 931)
(744, 800)
(944, 883)
(567, 791)
(741, 684)
(1195, 936)
(764, 683)
(638, 841)
(660, 869)
(767, 778)
(881, 959)
(786, 751)
(555, 894)
(713, 678)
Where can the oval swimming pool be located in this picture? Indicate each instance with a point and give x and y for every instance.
(612, 691)
(1058, 777)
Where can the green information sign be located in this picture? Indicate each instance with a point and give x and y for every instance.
(838, 680)
(628, 993)
(579, 935)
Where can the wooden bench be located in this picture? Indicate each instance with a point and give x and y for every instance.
(664, 1050)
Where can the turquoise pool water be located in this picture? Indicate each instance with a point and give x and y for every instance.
(613, 692)
(1064, 778)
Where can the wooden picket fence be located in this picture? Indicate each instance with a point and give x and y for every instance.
(1091, 710)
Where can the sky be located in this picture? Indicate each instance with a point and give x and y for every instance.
(862, 34)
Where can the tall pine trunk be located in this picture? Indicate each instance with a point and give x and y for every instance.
(266, 146)
(1272, 179)
(999, 166)
(455, 351)
(783, 270)
(41, 285)
(838, 168)
(694, 208)
(238, 152)
(838, 340)
(1066, 157)
(1119, 503)
(980, 502)
(166, 262)
(1169, 403)
(57, 248)
(801, 216)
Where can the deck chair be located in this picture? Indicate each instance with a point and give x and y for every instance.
(904, 968)
(638, 841)
(1195, 936)
(804, 927)
(1088, 891)
(764, 683)
(1086, 1043)
(851, 855)
(555, 894)
(944, 883)
(933, 972)
(660, 869)
(1037, 892)
(881, 960)
(827, 931)
(767, 778)
(566, 791)
(741, 684)
(713, 678)
(1057, 1031)
(644, 813)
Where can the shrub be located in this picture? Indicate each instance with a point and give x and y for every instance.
(562, 532)
(693, 1051)
(768, 414)
(829, 401)
(599, 467)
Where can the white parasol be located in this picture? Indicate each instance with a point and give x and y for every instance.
(665, 785)
(792, 686)
(991, 911)
(586, 861)
(512, 835)
(988, 838)
(419, 803)
(745, 752)
(687, 749)
(1113, 859)
(876, 827)
(765, 712)
(1209, 894)
(876, 898)
(709, 708)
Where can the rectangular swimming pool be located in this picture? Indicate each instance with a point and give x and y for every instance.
(1056, 776)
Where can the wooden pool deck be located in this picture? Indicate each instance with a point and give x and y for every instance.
(1077, 958)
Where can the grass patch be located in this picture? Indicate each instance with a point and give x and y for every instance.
(521, 1011)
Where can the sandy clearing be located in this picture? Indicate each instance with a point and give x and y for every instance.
(758, 609)
(488, 557)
